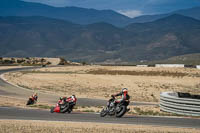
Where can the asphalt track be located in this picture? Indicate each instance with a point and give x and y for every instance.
(26, 114)
(37, 114)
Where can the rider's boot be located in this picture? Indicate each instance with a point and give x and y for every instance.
(69, 110)
(128, 109)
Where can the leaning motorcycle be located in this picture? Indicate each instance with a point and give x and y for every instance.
(115, 108)
(31, 101)
(62, 108)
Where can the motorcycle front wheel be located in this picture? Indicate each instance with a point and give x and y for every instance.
(65, 109)
(29, 102)
(52, 110)
(121, 110)
(103, 112)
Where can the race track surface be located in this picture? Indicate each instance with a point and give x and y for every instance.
(37, 114)
(10, 90)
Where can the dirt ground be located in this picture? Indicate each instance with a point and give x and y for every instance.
(144, 84)
(7, 101)
(25, 126)
(10, 67)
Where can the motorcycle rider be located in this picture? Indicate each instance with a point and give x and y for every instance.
(124, 96)
(34, 97)
(71, 100)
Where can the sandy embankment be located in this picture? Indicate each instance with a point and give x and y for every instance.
(10, 67)
(145, 87)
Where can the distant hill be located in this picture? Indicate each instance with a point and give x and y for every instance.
(82, 16)
(99, 42)
(190, 60)
(195, 56)
(73, 14)
(191, 12)
(170, 36)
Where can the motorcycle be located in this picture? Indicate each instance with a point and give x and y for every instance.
(115, 108)
(63, 107)
(31, 100)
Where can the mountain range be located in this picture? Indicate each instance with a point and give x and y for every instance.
(104, 36)
(99, 42)
(74, 14)
(82, 15)
(191, 12)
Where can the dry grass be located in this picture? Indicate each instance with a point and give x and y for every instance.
(19, 126)
(21, 103)
(10, 101)
(9, 67)
(145, 84)
(134, 110)
(149, 111)
(138, 73)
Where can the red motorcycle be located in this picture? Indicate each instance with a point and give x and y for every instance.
(63, 107)
(32, 100)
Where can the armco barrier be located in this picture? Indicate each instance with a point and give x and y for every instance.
(173, 103)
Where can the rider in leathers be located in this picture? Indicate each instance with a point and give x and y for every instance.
(71, 100)
(124, 96)
(34, 97)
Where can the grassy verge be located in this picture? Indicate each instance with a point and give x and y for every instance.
(134, 110)
(52, 72)
(41, 106)
(139, 111)
(141, 73)
(118, 72)
(20, 103)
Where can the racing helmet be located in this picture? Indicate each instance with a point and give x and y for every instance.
(125, 90)
(34, 94)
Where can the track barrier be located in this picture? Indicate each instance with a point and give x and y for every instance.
(180, 103)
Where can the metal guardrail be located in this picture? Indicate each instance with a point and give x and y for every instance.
(173, 103)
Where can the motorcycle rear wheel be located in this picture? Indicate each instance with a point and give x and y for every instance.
(103, 112)
(69, 111)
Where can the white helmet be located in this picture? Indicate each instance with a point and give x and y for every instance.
(124, 89)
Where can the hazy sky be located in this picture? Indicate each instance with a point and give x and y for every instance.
(131, 8)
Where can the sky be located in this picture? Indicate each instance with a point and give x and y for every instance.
(131, 8)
